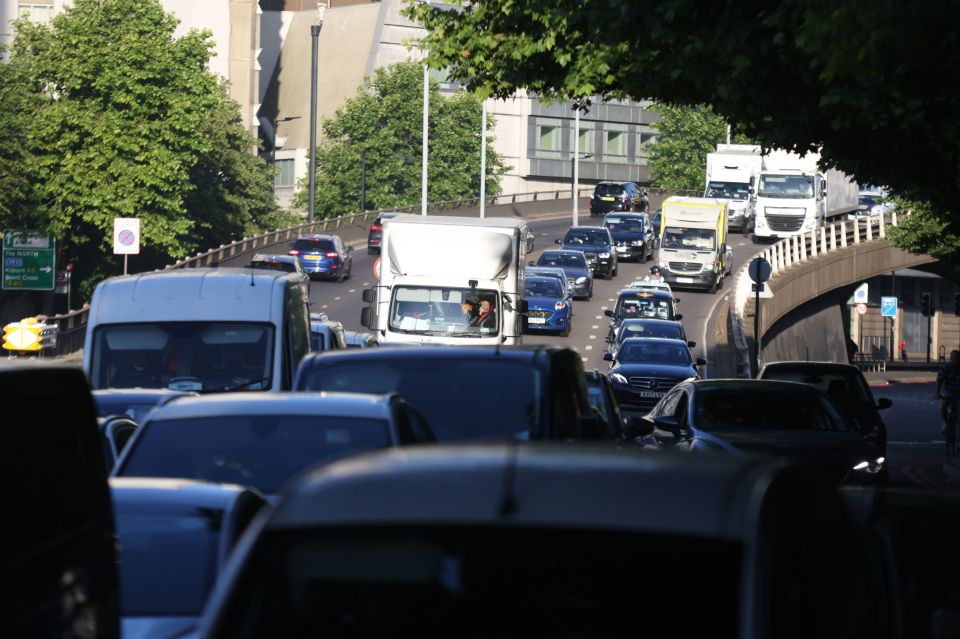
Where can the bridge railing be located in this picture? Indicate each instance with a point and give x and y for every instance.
(790, 252)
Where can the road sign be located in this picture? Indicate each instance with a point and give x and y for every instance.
(126, 236)
(29, 261)
(888, 306)
(765, 291)
(861, 309)
(376, 268)
(860, 295)
(759, 269)
(22, 336)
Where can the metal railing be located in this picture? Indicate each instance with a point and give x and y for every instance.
(790, 252)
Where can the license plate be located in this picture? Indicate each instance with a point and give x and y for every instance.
(312, 258)
(608, 199)
(651, 394)
(685, 280)
(621, 249)
(537, 320)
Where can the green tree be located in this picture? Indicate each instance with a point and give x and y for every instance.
(922, 231)
(126, 121)
(876, 84)
(383, 124)
(686, 134)
(15, 188)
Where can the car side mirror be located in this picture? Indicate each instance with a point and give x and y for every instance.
(668, 423)
(691, 344)
(608, 313)
(365, 317)
(701, 361)
(676, 300)
(349, 249)
(369, 296)
(884, 403)
(531, 263)
(638, 427)
(608, 357)
(677, 317)
(558, 242)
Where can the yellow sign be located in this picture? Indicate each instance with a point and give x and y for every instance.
(23, 335)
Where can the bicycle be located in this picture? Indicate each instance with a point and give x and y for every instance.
(953, 424)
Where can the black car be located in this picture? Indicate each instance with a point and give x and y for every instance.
(575, 268)
(469, 393)
(644, 369)
(632, 235)
(663, 329)
(596, 243)
(375, 237)
(846, 386)
(787, 419)
(135, 403)
(115, 433)
(617, 196)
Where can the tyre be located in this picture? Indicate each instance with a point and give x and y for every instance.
(616, 269)
(713, 287)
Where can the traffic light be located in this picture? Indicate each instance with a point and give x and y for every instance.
(926, 305)
(956, 303)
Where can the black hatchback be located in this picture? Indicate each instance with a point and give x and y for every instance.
(617, 196)
(375, 237)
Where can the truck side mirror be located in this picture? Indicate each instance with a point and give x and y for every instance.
(369, 296)
(608, 357)
(365, 317)
(523, 306)
(678, 317)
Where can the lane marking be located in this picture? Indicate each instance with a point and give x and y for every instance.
(599, 316)
(336, 299)
(324, 306)
(589, 348)
(585, 359)
(352, 290)
(594, 327)
(366, 283)
(603, 308)
(593, 337)
(611, 299)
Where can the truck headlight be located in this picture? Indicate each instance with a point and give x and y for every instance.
(605, 255)
(662, 264)
(636, 243)
(708, 267)
(760, 223)
(581, 280)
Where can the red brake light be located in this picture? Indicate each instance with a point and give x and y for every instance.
(293, 252)
(376, 227)
(333, 255)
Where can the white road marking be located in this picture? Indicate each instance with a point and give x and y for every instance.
(612, 299)
(603, 308)
(585, 359)
(352, 290)
(593, 337)
(324, 306)
(366, 283)
(336, 299)
(594, 327)
(589, 348)
(599, 316)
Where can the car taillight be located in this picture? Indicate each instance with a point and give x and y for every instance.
(376, 227)
(293, 252)
(333, 255)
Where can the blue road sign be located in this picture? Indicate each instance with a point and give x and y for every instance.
(888, 306)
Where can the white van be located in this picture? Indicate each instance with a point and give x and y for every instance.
(204, 330)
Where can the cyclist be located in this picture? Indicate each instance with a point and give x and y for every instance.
(948, 385)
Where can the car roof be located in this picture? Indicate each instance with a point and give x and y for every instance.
(522, 353)
(633, 321)
(553, 486)
(317, 236)
(160, 495)
(644, 292)
(274, 257)
(583, 227)
(811, 366)
(561, 251)
(134, 393)
(328, 404)
(541, 278)
(755, 385)
(659, 341)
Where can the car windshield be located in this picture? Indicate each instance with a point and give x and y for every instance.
(616, 190)
(648, 307)
(676, 237)
(442, 311)
(562, 260)
(314, 245)
(192, 356)
(870, 200)
(134, 409)
(624, 224)
(666, 331)
(586, 236)
(462, 399)
(781, 410)
(158, 550)
(664, 353)
(252, 450)
(786, 186)
(843, 387)
(728, 190)
(542, 288)
(274, 265)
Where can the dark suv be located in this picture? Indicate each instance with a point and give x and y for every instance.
(375, 237)
(596, 244)
(617, 196)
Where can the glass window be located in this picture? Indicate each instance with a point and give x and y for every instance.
(274, 265)
(676, 237)
(562, 259)
(728, 190)
(262, 451)
(314, 245)
(662, 352)
(462, 399)
(639, 306)
(39, 13)
(587, 236)
(462, 312)
(646, 138)
(616, 143)
(620, 224)
(608, 189)
(285, 173)
(549, 138)
(585, 143)
(781, 410)
(542, 288)
(786, 186)
(842, 387)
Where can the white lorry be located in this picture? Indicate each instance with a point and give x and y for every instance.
(730, 172)
(693, 242)
(449, 280)
(792, 196)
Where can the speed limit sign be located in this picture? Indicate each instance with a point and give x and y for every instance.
(861, 309)
(376, 268)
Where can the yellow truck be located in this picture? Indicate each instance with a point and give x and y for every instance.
(693, 242)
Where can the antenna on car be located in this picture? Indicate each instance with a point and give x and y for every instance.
(251, 275)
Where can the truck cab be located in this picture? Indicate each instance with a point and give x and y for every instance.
(693, 243)
(730, 173)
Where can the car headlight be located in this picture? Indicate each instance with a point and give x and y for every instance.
(559, 306)
(604, 255)
(619, 379)
(581, 280)
(870, 466)
(636, 243)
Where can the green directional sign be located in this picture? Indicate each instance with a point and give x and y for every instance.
(29, 261)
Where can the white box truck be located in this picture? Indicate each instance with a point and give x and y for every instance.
(693, 242)
(449, 280)
(792, 196)
(730, 172)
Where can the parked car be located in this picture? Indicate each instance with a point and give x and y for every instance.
(642, 303)
(469, 393)
(548, 304)
(324, 255)
(58, 561)
(632, 235)
(326, 334)
(644, 369)
(617, 196)
(846, 386)
(663, 329)
(375, 236)
(115, 434)
(174, 539)
(135, 403)
(596, 243)
(574, 265)
(283, 263)
(508, 541)
(782, 418)
(356, 339)
(263, 440)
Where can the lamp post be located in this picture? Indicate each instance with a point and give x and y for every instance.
(576, 186)
(315, 39)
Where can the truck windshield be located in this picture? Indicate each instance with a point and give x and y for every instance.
(675, 237)
(444, 311)
(728, 190)
(786, 186)
(192, 356)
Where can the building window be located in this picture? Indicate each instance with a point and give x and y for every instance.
(39, 13)
(585, 144)
(616, 143)
(548, 138)
(646, 138)
(284, 176)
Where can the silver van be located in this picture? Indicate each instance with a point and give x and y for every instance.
(203, 330)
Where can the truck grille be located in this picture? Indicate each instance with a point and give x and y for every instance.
(653, 383)
(539, 313)
(686, 267)
(784, 222)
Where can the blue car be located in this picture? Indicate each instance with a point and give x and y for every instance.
(549, 307)
(596, 244)
(323, 256)
(644, 369)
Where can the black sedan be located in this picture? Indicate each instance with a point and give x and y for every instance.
(644, 369)
(575, 267)
(787, 419)
(632, 234)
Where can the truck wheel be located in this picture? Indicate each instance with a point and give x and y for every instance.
(713, 287)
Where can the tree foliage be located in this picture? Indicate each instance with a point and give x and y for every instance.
(686, 134)
(876, 84)
(383, 124)
(125, 120)
(922, 231)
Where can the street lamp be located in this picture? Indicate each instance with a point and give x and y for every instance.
(575, 165)
(314, 52)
